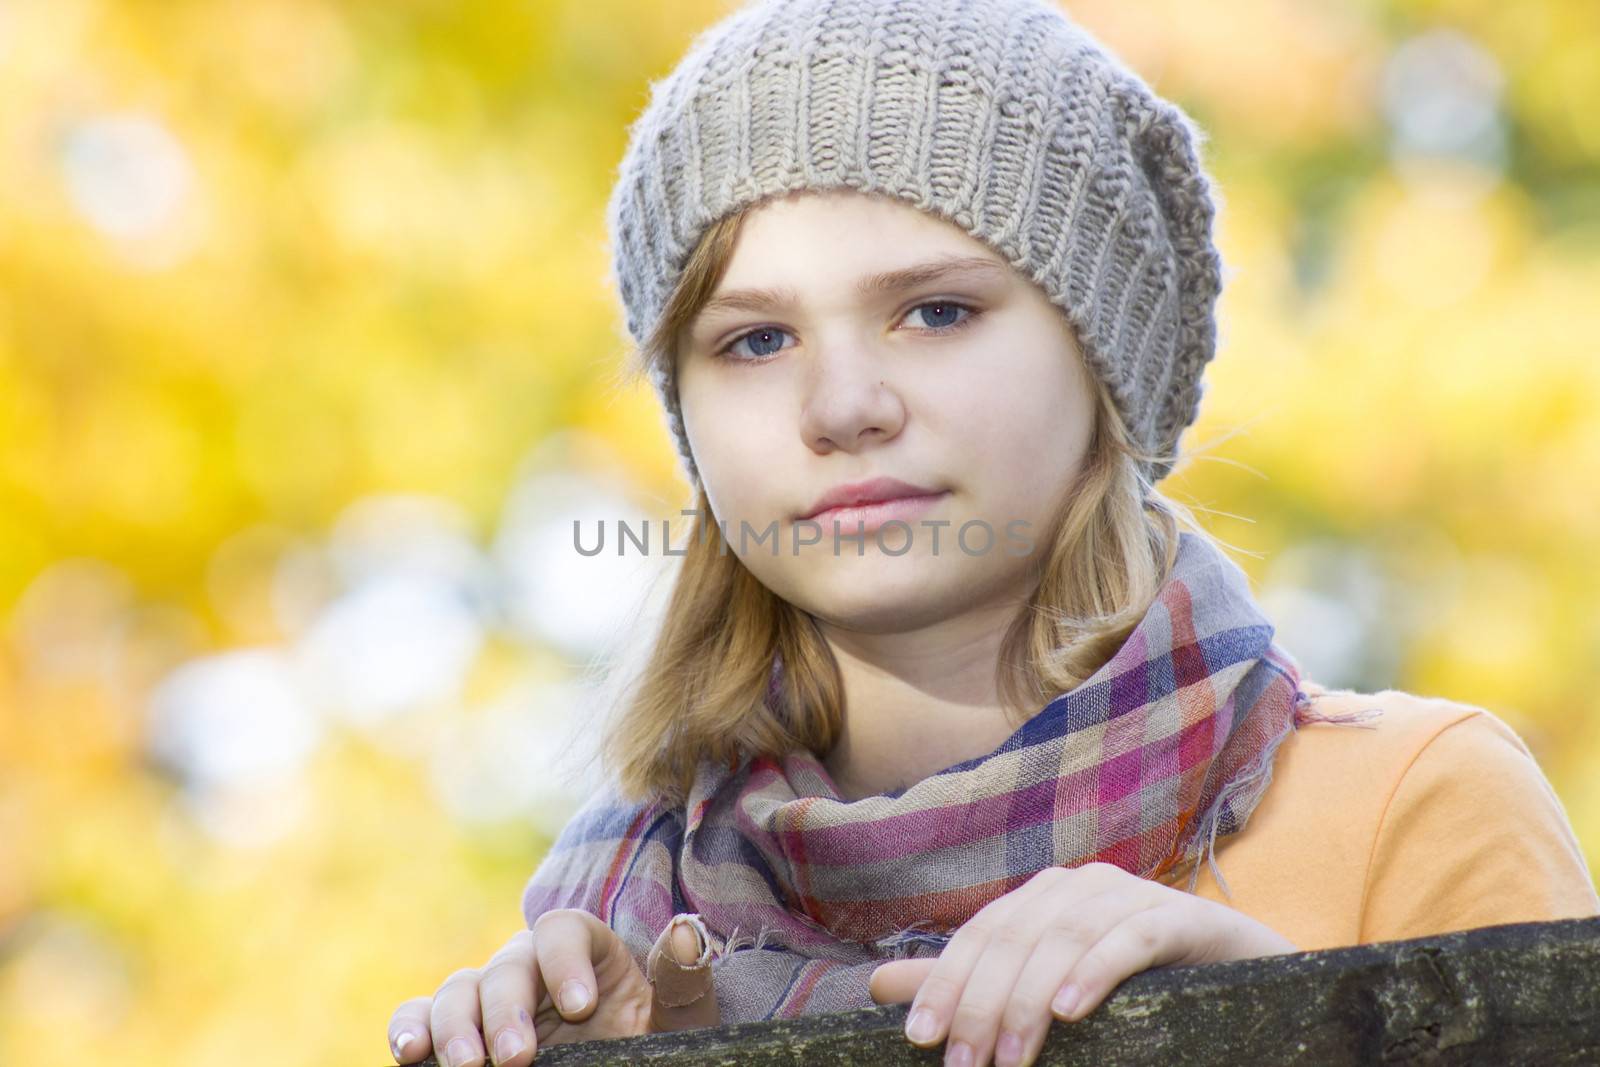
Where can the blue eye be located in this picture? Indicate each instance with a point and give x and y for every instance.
(947, 306)
(763, 344)
(761, 336)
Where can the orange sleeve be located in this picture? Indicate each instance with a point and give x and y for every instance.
(1473, 835)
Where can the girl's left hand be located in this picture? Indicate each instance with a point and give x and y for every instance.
(1055, 947)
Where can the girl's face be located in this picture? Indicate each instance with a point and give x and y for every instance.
(801, 376)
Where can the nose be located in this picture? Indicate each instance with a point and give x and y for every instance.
(848, 405)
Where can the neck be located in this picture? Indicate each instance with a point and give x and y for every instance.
(917, 701)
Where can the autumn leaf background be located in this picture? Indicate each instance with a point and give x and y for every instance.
(308, 361)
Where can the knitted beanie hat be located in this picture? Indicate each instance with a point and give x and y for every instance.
(1003, 117)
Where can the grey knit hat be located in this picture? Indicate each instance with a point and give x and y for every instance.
(1001, 116)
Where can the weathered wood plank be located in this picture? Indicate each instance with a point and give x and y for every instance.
(1520, 993)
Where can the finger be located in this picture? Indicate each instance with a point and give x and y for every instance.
(454, 1018)
(569, 942)
(508, 994)
(1149, 937)
(975, 1022)
(897, 981)
(408, 1030)
(936, 1000)
(1074, 926)
(684, 995)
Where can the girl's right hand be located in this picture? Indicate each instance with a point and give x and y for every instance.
(508, 1000)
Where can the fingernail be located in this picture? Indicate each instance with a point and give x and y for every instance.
(688, 956)
(402, 1041)
(959, 1055)
(507, 1045)
(458, 1052)
(1008, 1053)
(1066, 1001)
(921, 1027)
(574, 996)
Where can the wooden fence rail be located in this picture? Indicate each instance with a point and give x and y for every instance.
(1524, 993)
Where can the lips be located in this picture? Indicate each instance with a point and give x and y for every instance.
(861, 495)
(861, 519)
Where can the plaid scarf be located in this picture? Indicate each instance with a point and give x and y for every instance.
(1165, 748)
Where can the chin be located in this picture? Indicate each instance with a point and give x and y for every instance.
(874, 594)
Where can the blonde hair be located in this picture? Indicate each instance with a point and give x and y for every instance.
(702, 688)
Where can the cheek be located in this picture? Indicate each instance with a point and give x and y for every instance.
(736, 450)
(1033, 411)
(1023, 427)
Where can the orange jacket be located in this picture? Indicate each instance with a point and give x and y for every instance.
(1432, 817)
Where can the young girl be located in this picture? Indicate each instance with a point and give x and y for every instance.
(947, 697)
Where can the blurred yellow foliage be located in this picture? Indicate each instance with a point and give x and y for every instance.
(264, 259)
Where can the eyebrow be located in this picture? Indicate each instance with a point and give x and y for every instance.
(889, 281)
